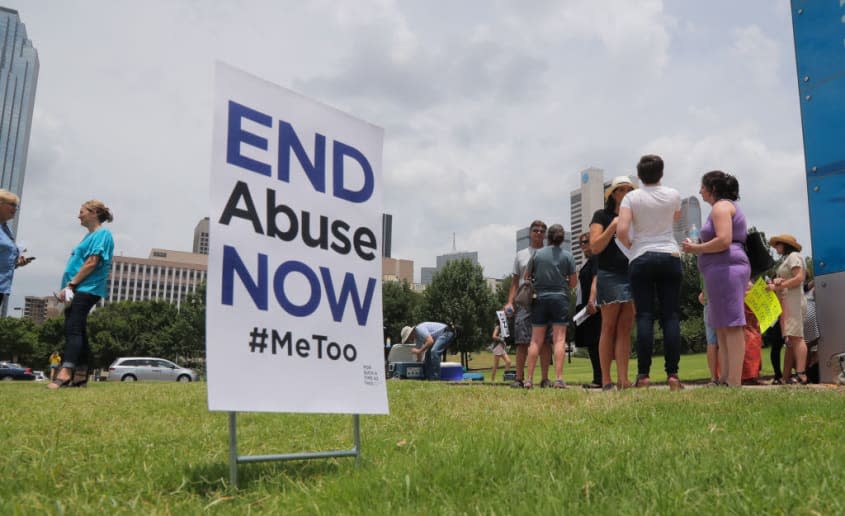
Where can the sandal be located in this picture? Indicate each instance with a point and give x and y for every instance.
(559, 384)
(608, 387)
(642, 381)
(528, 385)
(801, 376)
(517, 384)
(675, 383)
(58, 383)
(594, 385)
(80, 378)
(545, 384)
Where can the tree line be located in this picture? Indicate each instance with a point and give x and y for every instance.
(125, 328)
(458, 293)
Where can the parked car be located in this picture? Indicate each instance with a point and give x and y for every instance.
(11, 371)
(131, 369)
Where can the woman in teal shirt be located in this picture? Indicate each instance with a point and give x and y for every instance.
(83, 285)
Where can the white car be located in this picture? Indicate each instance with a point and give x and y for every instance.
(133, 369)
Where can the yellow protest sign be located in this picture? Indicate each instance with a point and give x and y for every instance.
(764, 303)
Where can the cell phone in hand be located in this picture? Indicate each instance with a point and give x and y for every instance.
(29, 259)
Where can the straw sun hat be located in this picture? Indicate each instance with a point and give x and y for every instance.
(785, 239)
(616, 183)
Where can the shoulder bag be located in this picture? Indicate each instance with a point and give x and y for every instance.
(525, 293)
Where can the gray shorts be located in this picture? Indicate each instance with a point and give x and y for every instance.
(522, 328)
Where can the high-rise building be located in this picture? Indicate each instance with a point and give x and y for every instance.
(201, 237)
(386, 234)
(39, 309)
(427, 273)
(690, 214)
(583, 203)
(394, 269)
(166, 276)
(523, 238)
(18, 79)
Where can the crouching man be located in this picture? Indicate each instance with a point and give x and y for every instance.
(430, 342)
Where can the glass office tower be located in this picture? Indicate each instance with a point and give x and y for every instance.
(18, 78)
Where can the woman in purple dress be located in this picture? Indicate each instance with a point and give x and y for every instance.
(724, 265)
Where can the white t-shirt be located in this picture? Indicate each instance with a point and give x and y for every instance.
(520, 263)
(652, 216)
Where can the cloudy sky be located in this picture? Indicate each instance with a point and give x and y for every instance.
(490, 109)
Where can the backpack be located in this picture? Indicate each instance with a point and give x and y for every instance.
(758, 254)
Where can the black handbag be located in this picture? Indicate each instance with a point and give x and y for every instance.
(758, 253)
(525, 293)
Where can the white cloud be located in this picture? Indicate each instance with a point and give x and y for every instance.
(490, 109)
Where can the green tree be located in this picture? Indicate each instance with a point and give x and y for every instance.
(459, 294)
(691, 286)
(500, 297)
(187, 332)
(18, 339)
(51, 337)
(400, 307)
(131, 328)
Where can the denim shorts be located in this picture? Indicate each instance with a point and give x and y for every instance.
(522, 327)
(550, 310)
(612, 287)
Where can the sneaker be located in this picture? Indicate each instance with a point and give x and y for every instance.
(608, 387)
(559, 384)
(517, 384)
(545, 384)
(675, 384)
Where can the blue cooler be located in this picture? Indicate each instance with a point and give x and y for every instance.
(406, 370)
(451, 372)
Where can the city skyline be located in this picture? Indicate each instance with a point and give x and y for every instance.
(495, 142)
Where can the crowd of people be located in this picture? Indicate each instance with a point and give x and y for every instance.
(633, 274)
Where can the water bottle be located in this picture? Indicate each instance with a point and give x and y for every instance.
(694, 234)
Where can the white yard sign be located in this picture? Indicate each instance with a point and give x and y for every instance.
(294, 320)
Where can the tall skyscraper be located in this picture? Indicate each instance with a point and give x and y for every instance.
(386, 234)
(18, 79)
(201, 237)
(690, 214)
(427, 273)
(583, 203)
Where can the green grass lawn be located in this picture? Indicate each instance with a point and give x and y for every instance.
(444, 449)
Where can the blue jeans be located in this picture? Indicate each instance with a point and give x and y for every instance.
(77, 351)
(657, 275)
(434, 355)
